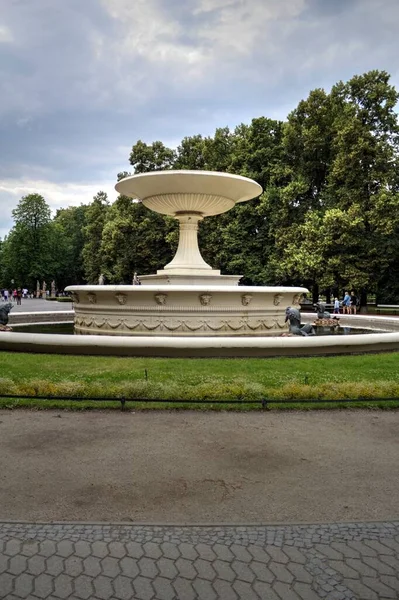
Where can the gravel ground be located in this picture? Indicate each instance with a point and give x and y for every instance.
(199, 467)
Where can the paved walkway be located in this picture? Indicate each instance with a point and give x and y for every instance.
(306, 562)
(31, 305)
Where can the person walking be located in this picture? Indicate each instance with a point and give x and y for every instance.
(19, 296)
(353, 306)
(346, 304)
(336, 306)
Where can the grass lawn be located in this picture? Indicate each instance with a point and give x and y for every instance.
(289, 379)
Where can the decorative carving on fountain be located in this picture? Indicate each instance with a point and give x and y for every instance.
(205, 299)
(122, 298)
(75, 297)
(246, 299)
(160, 299)
(296, 300)
(92, 298)
(277, 299)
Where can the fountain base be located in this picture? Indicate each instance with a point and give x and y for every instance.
(182, 310)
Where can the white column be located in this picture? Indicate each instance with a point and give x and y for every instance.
(188, 255)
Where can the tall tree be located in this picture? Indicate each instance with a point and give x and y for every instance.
(95, 218)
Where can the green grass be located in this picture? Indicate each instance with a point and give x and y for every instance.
(292, 380)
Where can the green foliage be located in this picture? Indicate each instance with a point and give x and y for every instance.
(328, 218)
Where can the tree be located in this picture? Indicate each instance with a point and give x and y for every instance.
(96, 214)
(28, 251)
(155, 157)
(69, 224)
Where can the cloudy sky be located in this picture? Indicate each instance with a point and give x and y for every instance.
(82, 80)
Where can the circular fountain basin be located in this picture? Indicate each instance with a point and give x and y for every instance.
(218, 347)
(206, 193)
(182, 310)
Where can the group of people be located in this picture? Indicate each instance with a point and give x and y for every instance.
(350, 303)
(14, 295)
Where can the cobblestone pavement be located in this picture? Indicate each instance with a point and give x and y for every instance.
(31, 305)
(292, 562)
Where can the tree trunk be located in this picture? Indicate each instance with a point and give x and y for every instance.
(315, 293)
(363, 301)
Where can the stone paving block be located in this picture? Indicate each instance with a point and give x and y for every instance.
(91, 566)
(43, 585)
(65, 548)
(305, 591)
(36, 564)
(241, 553)
(143, 588)
(392, 582)
(47, 548)
(188, 551)
(381, 567)
(110, 567)
(204, 569)
(103, 588)
(244, 590)
(73, 566)
(54, 565)
(360, 590)
(163, 589)
(265, 591)
(379, 548)
(152, 550)
(362, 548)
(134, 550)
(17, 564)
(147, 567)
(380, 588)
(185, 568)
(170, 550)
(300, 573)
(277, 555)
(23, 586)
(362, 568)
(123, 588)
(223, 590)
(116, 549)
(205, 552)
(83, 587)
(30, 548)
(82, 548)
(284, 591)
(345, 550)
(62, 586)
(224, 570)
(281, 572)
(99, 549)
(258, 554)
(166, 568)
(12, 547)
(328, 551)
(342, 567)
(243, 571)
(129, 567)
(261, 571)
(390, 543)
(6, 584)
(223, 552)
(184, 589)
(204, 590)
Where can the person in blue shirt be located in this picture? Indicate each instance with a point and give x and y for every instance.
(336, 306)
(346, 304)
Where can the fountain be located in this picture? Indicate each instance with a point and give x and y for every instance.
(188, 309)
(187, 297)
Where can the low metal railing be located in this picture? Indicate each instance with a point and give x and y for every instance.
(262, 403)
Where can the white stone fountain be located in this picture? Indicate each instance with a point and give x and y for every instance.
(187, 297)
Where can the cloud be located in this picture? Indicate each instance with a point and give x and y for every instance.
(80, 82)
(56, 196)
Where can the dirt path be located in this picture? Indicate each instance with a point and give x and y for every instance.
(199, 467)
